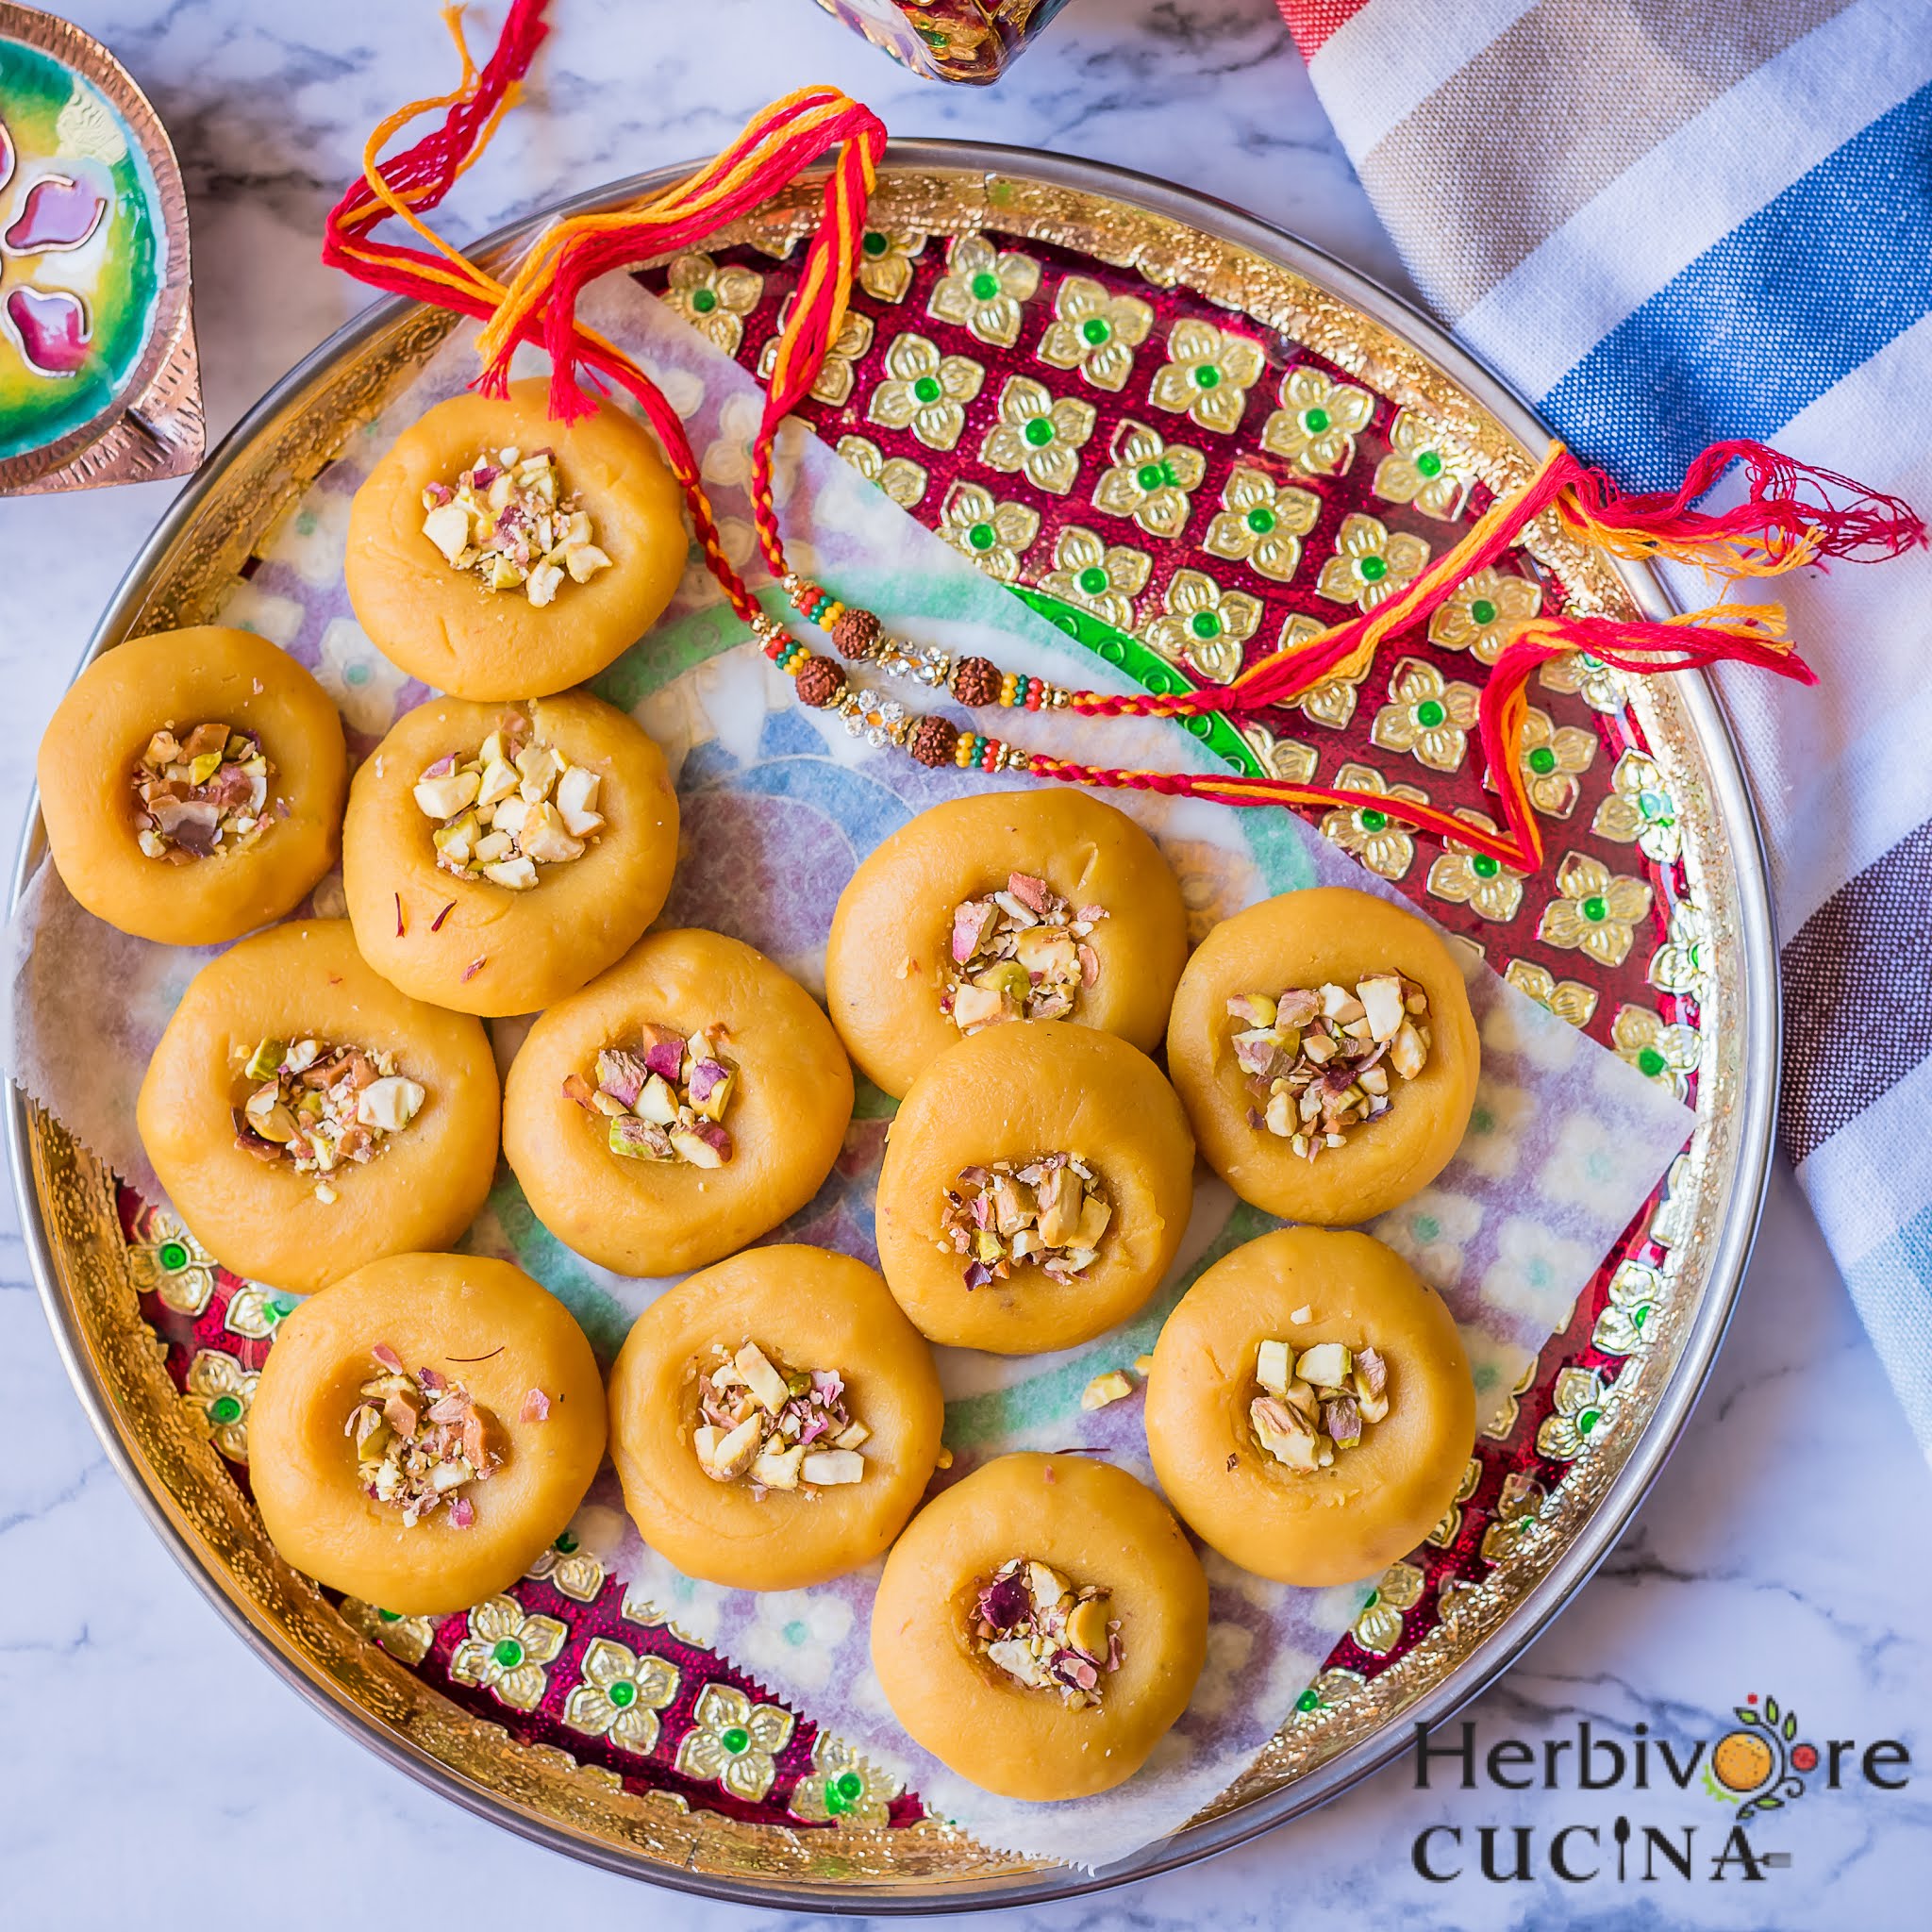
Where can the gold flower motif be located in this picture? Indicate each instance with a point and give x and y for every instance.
(843, 1788)
(1208, 375)
(1204, 627)
(1096, 575)
(406, 1639)
(166, 1260)
(1094, 332)
(733, 1741)
(1315, 426)
(885, 261)
(506, 1652)
(1488, 887)
(1636, 1288)
(1500, 1425)
(1682, 964)
(1427, 716)
(1588, 678)
(833, 384)
(1378, 1629)
(1665, 1053)
(713, 299)
(1484, 612)
(255, 1314)
(1370, 562)
(900, 477)
(982, 290)
(569, 1568)
(1281, 757)
(924, 392)
(1578, 1413)
(1038, 434)
(1638, 811)
(1569, 999)
(1262, 523)
(1598, 911)
(620, 1695)
(991, 533)
(1333, 701)
(1450, 1524)
(1422, 469)
(1519, 1508)
(1552, 758)
(216, 1402)
(1383, 843)
(1150, 480)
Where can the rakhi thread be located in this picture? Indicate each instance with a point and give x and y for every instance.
(1791, 515)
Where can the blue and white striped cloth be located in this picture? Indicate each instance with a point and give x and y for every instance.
(1668, 224)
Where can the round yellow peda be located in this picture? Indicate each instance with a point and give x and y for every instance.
(1302, 939)
(478, 1323)
(889, 961)
(1377, 1501)
(305, 981)
(442, 626)
(787, 1114)
(1013, 1094)
(808, 1308)
(205, 675)
(480, 947)
(1095, 1524)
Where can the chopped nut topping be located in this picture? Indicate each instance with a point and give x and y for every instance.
(1042, 1632)
(1113, 1387)
(1313, 1404)
(324, 1107)
(419, 1439)
(512, 807)
(776, 1428)
(1048, 1212)
(1318, 1060)
(202, 795)
(665, 1100)
(1019, 954)
(509, 521)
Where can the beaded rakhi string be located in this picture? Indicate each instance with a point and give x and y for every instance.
(1790, 515)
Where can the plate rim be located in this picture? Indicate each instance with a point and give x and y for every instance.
(1493, 1655)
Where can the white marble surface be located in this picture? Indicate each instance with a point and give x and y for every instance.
(151, 1772)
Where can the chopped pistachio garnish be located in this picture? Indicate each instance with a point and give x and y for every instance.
(509, 521)
(1042, 1632)
(664, 1099)
(774, 1428)
(512, 806)
(1019, 954)
(419, 1439)
(324, 1107)
(200, 795)
(1316, 1403)
(1048, 1212)
(1318, 1060)
(1114, 1386)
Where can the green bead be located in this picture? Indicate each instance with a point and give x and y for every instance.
(1315, 421)
(622, 1694)
(982, 536)
(1260, 520)
(565, 1544)
(1651, 1061)
(1595, 909)
(1586, 1420)
(1428, 464)
(1655, 805)
(1429, 714)
(225, 1409)
(1039, 432)
(174, 1256)
(1543, 761)
(1484, 866)
(927, 390)
(1093, 580)
(1203, 623)
(1095, 331)
(277, 1306)
(1207, 376)
(1371, 569)
(875, 244)
(388, 1616)
(837, 1802)
(1308, 1700)
(1373, 821)
(850, 1784)
(1151, 476)
(1482, 612)
(984, 287)
(508, 1653)
(704, 301)
(737, 1739)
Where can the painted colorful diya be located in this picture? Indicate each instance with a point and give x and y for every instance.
(969, 41)
(98, 374)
